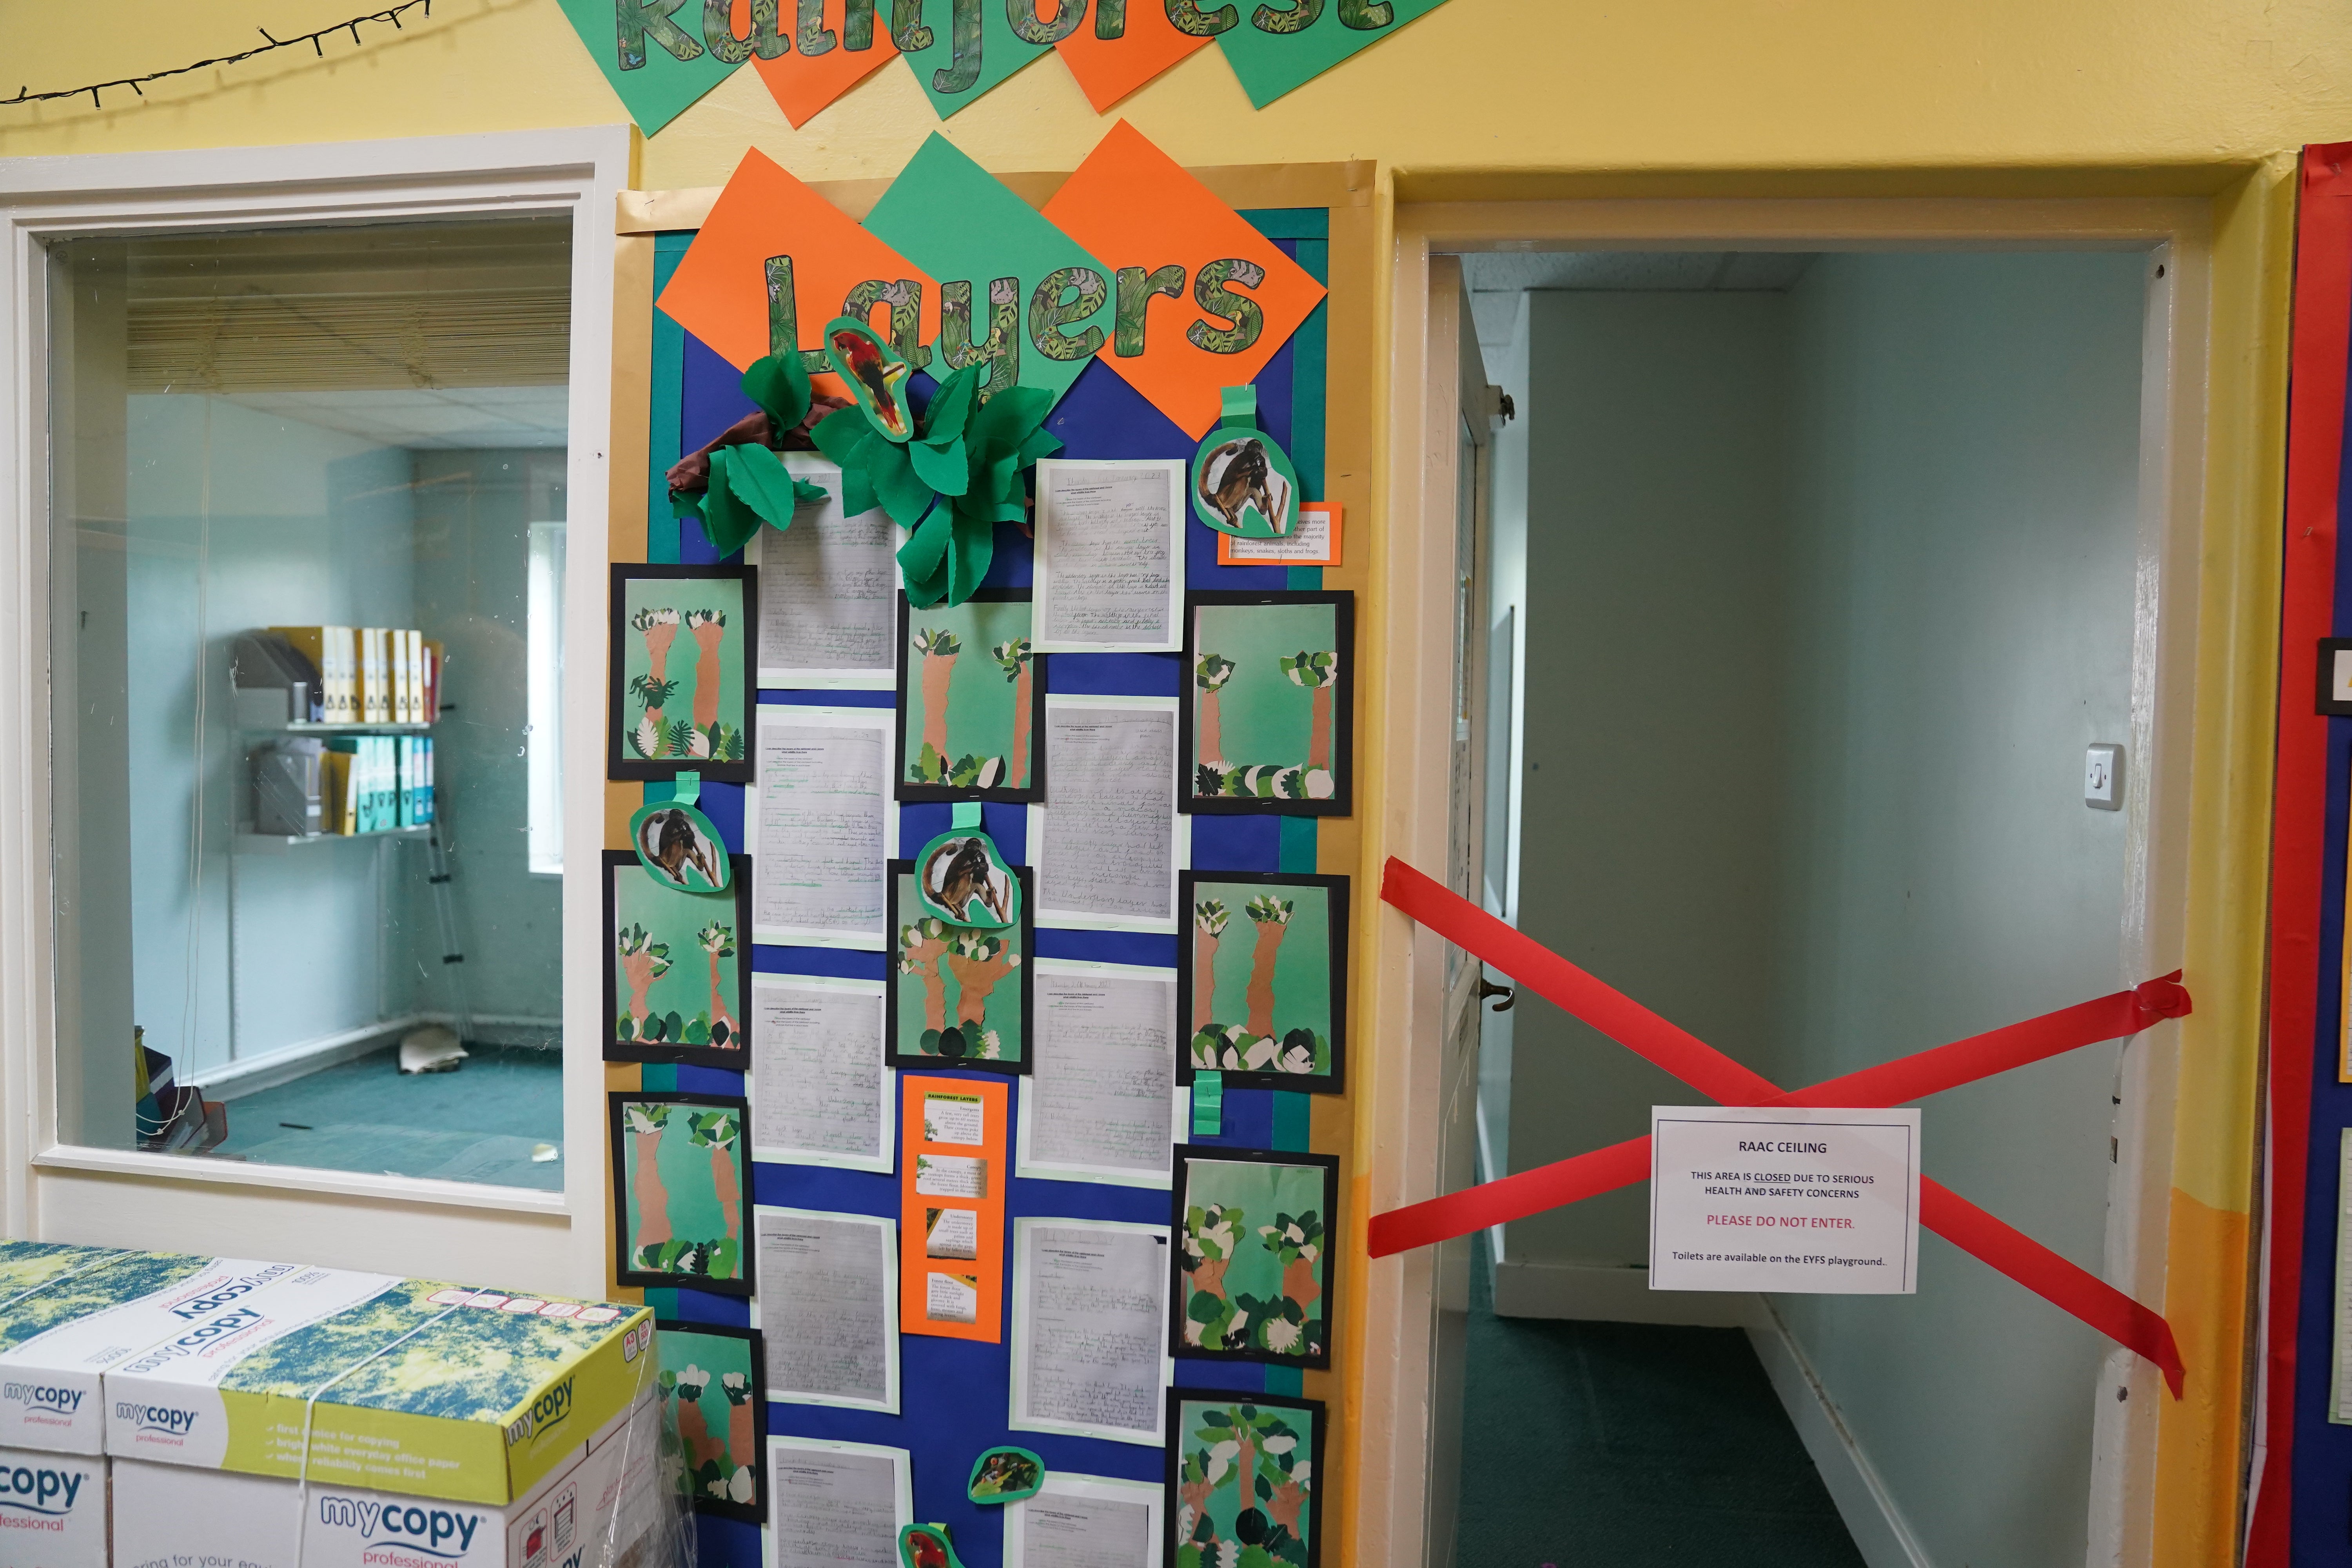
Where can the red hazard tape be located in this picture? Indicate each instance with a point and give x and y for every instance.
(1710, 1071)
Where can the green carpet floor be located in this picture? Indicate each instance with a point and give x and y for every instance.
(1628, 1445)
(476, 1124)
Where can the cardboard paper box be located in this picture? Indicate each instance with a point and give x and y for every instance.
(423, 1389)
(52, 1511)
(589, 1512)
(57, 1341)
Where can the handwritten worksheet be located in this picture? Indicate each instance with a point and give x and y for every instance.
(1109, 568)
(822, 824)
(1089, 1329)
(836, 1505)
(819, 1091)
(1102, 1087)
(828, 592)
(829, 1306)
(1106, 841)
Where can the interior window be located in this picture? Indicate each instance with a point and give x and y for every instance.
(307, 550)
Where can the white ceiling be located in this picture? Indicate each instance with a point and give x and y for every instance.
(1496, 279)
(461, 417)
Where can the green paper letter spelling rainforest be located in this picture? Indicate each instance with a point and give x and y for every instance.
(719, 32)
(1111, 19)
(1366, 16)
(906, 30)
(962, 68)
(1049, 312)
(1023, 15)
(631, 20)
(1186, 17)
(1301, 15)
(1210, 292)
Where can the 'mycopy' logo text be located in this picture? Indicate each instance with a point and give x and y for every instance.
(30, 1488)
(440, 1529)
(547, 1411)
(158, 1420)
(43, 1396)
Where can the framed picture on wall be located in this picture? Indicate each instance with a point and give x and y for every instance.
(1282, 1484)
(1250, 1274)
(685, 667)
(681, 1166)
(678, 966)
(971, 701)
(957, 995)
(1262, 979)
(1266, 722)
(714, 1397)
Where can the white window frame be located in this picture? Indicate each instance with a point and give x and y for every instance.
(551, 1242)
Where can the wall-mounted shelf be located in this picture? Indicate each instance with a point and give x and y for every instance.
(281, 842)
(306, 728)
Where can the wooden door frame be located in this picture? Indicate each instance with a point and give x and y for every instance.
(2168, 1477)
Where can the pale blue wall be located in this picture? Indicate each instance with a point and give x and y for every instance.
(1829, 592)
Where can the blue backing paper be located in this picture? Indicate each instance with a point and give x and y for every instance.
(956, 1394)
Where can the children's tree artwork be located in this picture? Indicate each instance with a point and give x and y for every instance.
(677, 973)
(1263, 977)
(968, 697)
(1269, 710)
(684, 1164)
(683, 671)
(710, 1378)
(1242, 1479)
(1251, 1267)
(959, 995)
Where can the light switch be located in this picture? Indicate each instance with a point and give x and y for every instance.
(2102, 778)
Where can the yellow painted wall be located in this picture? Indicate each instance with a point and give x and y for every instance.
(1998, 96)
(1478, 84)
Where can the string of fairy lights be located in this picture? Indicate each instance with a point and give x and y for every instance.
(317, 40)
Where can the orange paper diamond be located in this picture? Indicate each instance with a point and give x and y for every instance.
(804, 84)
(1131, 204)
(720, 292)
(1109, 68)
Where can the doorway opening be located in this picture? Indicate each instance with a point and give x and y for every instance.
(1807, 582)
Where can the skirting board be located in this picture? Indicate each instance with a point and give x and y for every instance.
(1863, 1501)
(1599, 1292)
(1605, 1293)
(300, 1060)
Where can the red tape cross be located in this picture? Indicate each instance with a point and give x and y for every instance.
(1713, 1074)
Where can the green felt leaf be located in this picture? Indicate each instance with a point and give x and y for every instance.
(924, 555)
(969, 552)
(759, 477)
(858, 497)
(944, 469)
(841, 433)
(951, 405)
(904, 496)
(807, 492)
(779, 384)
(681, 504)
(727, 519)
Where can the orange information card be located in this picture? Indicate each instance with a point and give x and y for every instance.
(951, 1207)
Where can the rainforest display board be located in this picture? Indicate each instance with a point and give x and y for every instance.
(977, 947)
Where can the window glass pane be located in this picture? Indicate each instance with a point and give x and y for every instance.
(306, 556)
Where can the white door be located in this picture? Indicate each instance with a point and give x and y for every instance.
(1476, 404)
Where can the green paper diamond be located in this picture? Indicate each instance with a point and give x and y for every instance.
(664, 87)
(959, 223)
(1270, 65)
